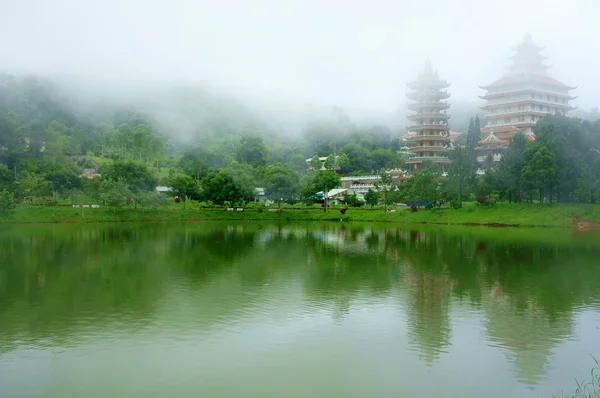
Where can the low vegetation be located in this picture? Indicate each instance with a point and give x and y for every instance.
(157, 209)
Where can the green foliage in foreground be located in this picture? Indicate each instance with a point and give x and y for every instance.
(556, 215)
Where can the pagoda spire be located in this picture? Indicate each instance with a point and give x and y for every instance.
(527, 58)
(427, 69)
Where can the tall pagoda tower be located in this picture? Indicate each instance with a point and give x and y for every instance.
(518, 100)
(428, 135)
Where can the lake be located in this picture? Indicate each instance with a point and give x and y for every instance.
(295, 310)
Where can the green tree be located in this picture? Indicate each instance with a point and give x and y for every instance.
(182, 185)
(7, 202)
(343, 161)
(253, 151)
(6, 177)
(195, 162)
(325, 181)
(152, 200)
(122, 139)
(134, 174)
(382, 159)
(425, 184)
(358, 156)
(244, 175)
(281, 182)
(315, 163)
(385, 189)
(461, 172)
(540, 172)
(63, 178)
(371, 198)
(307, 188)
(31, 187)
(156, 147)
(473, 137)
(114, 193)
(141, 135)
(298, 164)
(512, 163)
(566, 139)
(220, 187)
(330, 162)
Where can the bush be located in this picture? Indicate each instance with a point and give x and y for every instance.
(7, 201)
(50, 201)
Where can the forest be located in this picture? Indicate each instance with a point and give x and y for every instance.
(53, 154)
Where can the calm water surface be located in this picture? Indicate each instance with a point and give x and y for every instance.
(295, 310)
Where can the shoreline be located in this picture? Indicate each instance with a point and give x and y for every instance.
(503, 216)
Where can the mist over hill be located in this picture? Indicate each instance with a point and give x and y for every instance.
(187, 113)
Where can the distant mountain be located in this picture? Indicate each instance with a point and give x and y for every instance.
(195, 113)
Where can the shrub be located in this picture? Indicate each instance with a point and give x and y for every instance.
(50, 201)
(7, 201)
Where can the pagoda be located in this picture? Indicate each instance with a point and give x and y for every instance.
(428, 135)
(490, 147)
(518, 100)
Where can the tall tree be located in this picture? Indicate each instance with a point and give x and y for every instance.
(182, 185)
(315, 163)
(137, 176)
(281, 182)
(461, 171)
(385, 188)
(473, 137)
(253, 151)
(220, 187)
(325, 181)
(512, 164)
(7, 202)
(298, 164)
(371, 198)
(425, 184)
(114, 193)
(540, 173)
(330, 162)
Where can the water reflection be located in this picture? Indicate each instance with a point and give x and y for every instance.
(63, 286)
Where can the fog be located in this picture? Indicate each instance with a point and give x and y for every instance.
(293, 58)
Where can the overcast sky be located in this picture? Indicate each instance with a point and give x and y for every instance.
(355, 54)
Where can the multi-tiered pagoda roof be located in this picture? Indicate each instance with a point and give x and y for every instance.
(516, 101)
(428, 133)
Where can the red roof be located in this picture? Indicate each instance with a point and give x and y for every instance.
(519, 78)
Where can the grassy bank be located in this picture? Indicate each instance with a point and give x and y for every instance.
(555, 215)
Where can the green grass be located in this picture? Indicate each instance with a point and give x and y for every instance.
(525, 215)
(589, 388)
